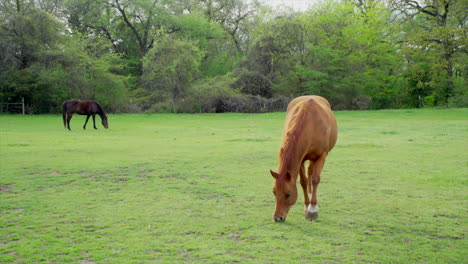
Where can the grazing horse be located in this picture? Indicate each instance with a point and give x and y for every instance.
(310, 132)
(88, 108)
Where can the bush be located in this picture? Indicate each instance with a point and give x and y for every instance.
(162, 107)
(458, 101)
(253, 83)
(429, 101)
(205, 94)
(251, 104)
(362, 102)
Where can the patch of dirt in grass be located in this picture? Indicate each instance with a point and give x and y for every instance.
(173, 176)
(116, 178)
(86, 261)
(120, 180)
(16, 210)
(444, 215)
(239, 255)
(235, 236)
(55, 172)
(6, 188)
(390, 132)
(438, 236)
(204, 194)
(145, 174)
(83, 173)
(462, 236)
(339, 244)
(69, 182)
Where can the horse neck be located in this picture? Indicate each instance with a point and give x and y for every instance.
(100, 111)
(290, 158)
(101, 114)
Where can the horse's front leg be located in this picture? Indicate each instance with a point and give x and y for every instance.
(86, 122)
(303, 181)
(94, 121)
(315, 169)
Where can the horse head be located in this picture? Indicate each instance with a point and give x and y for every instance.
(285, 192)
(104, 121)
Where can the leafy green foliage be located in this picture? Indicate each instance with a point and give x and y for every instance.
(48, 66)
(169, 70)
(434, 48)
(359, 54)
(209, 38)
(349, 54)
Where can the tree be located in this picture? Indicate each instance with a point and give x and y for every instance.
(46, 66)
(169, 70)
(436, 36)
(351, 57)
(269, 67)
(209, 37)
(127, 24)
(30, 43)
(234, 16)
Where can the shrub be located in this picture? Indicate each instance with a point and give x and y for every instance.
(251, 104)
(458, 101)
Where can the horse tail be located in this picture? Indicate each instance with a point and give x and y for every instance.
(64, 114)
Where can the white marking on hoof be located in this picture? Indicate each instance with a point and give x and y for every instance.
(312, 212)
(312, 209)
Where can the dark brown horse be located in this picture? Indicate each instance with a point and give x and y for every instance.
(310, 132)
(88, 108)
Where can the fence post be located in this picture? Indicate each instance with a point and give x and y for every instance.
(22, 104)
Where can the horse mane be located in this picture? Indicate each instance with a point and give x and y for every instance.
(291, 136)
(101, 112)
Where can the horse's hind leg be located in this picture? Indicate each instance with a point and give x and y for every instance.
(94, 121)
(315, 169)
(86, 122)
(69, 117)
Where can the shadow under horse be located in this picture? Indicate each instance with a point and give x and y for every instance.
(88, 108)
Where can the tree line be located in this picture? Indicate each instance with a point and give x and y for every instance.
(232, 55)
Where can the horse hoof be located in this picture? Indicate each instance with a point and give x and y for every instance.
(312, 212)
(311, 215)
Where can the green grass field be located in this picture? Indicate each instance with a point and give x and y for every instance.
(164, 188)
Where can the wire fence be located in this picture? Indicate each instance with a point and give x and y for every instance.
(13, 107)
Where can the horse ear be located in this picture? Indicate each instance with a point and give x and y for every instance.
(274, 174)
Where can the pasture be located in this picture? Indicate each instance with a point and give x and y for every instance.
(166, 188)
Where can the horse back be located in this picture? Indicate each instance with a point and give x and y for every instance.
(80, 107)
(92, 107)
(314, 122)
(70, 106)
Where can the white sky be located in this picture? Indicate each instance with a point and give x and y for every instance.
(298, 5)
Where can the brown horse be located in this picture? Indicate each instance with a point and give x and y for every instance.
(88, 108)
(310, 132)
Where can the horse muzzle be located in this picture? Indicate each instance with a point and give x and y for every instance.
(279, 219)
